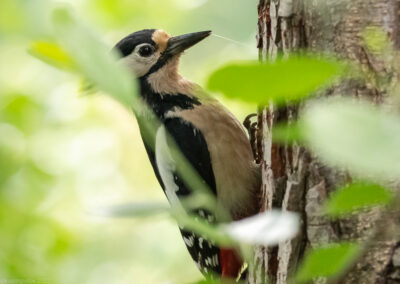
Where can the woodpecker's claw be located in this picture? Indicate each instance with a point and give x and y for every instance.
(251, 128)
(247, 120)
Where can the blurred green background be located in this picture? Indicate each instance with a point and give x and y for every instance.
(64, 157)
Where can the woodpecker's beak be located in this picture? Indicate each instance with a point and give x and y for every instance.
(178, 44)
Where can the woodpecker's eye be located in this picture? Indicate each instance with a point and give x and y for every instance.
(145, 51)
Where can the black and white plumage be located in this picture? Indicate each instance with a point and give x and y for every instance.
(208, 135)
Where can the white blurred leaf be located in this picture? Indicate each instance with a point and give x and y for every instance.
(267, 228)
(354, 135)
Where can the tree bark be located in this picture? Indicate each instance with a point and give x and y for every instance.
(293, 178)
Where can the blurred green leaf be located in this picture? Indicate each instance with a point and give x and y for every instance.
(11, 16)
(193, 223)
(120, 13)
(355, 197)
(94, 59)
(284, 133)
(22, 111)
(42, 243)
(354, 135)
(86, 87)
(26, 18)
(52, 54)
(327, 261)
(281, 81)
(137, 209)
(209, 231)
(263, 229)
(12, 151)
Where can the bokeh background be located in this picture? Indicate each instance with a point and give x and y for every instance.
(65, 156)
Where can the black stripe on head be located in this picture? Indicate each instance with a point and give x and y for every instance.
(127, 45)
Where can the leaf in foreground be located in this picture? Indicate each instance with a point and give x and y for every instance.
(134, 210)
(355, 197)
(354, 135)
(287, 133)
(267, 228)
(93, 58)
(24, 18)
(52, 54)
(281, 81)
(327, 261)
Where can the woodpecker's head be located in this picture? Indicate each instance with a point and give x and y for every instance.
(148, 51)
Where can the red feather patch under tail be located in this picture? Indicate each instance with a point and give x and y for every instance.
(231, 263)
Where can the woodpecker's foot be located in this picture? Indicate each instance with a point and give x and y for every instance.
(252, 131)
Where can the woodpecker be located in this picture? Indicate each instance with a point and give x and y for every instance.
(209, 136)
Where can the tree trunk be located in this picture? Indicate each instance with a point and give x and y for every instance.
(294, 179)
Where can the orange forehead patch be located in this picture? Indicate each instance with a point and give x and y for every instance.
(161, 39)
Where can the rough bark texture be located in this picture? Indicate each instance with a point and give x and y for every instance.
(293, 179)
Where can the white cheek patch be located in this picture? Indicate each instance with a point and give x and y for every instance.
(166, 165)
(138, 64)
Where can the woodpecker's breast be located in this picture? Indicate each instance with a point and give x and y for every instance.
(237, 176)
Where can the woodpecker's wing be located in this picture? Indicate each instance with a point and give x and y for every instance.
(193, 146)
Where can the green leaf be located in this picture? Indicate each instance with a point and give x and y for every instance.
(267, 228)
(137, 209)
(202, 227)
(24, 18)
(52, 54)
(94, 59)
(327, 261)
(355, 197)
(284, 133)
(190, 222)
(12, 151)
(354, 135)
(284, 80)
(86, 87)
